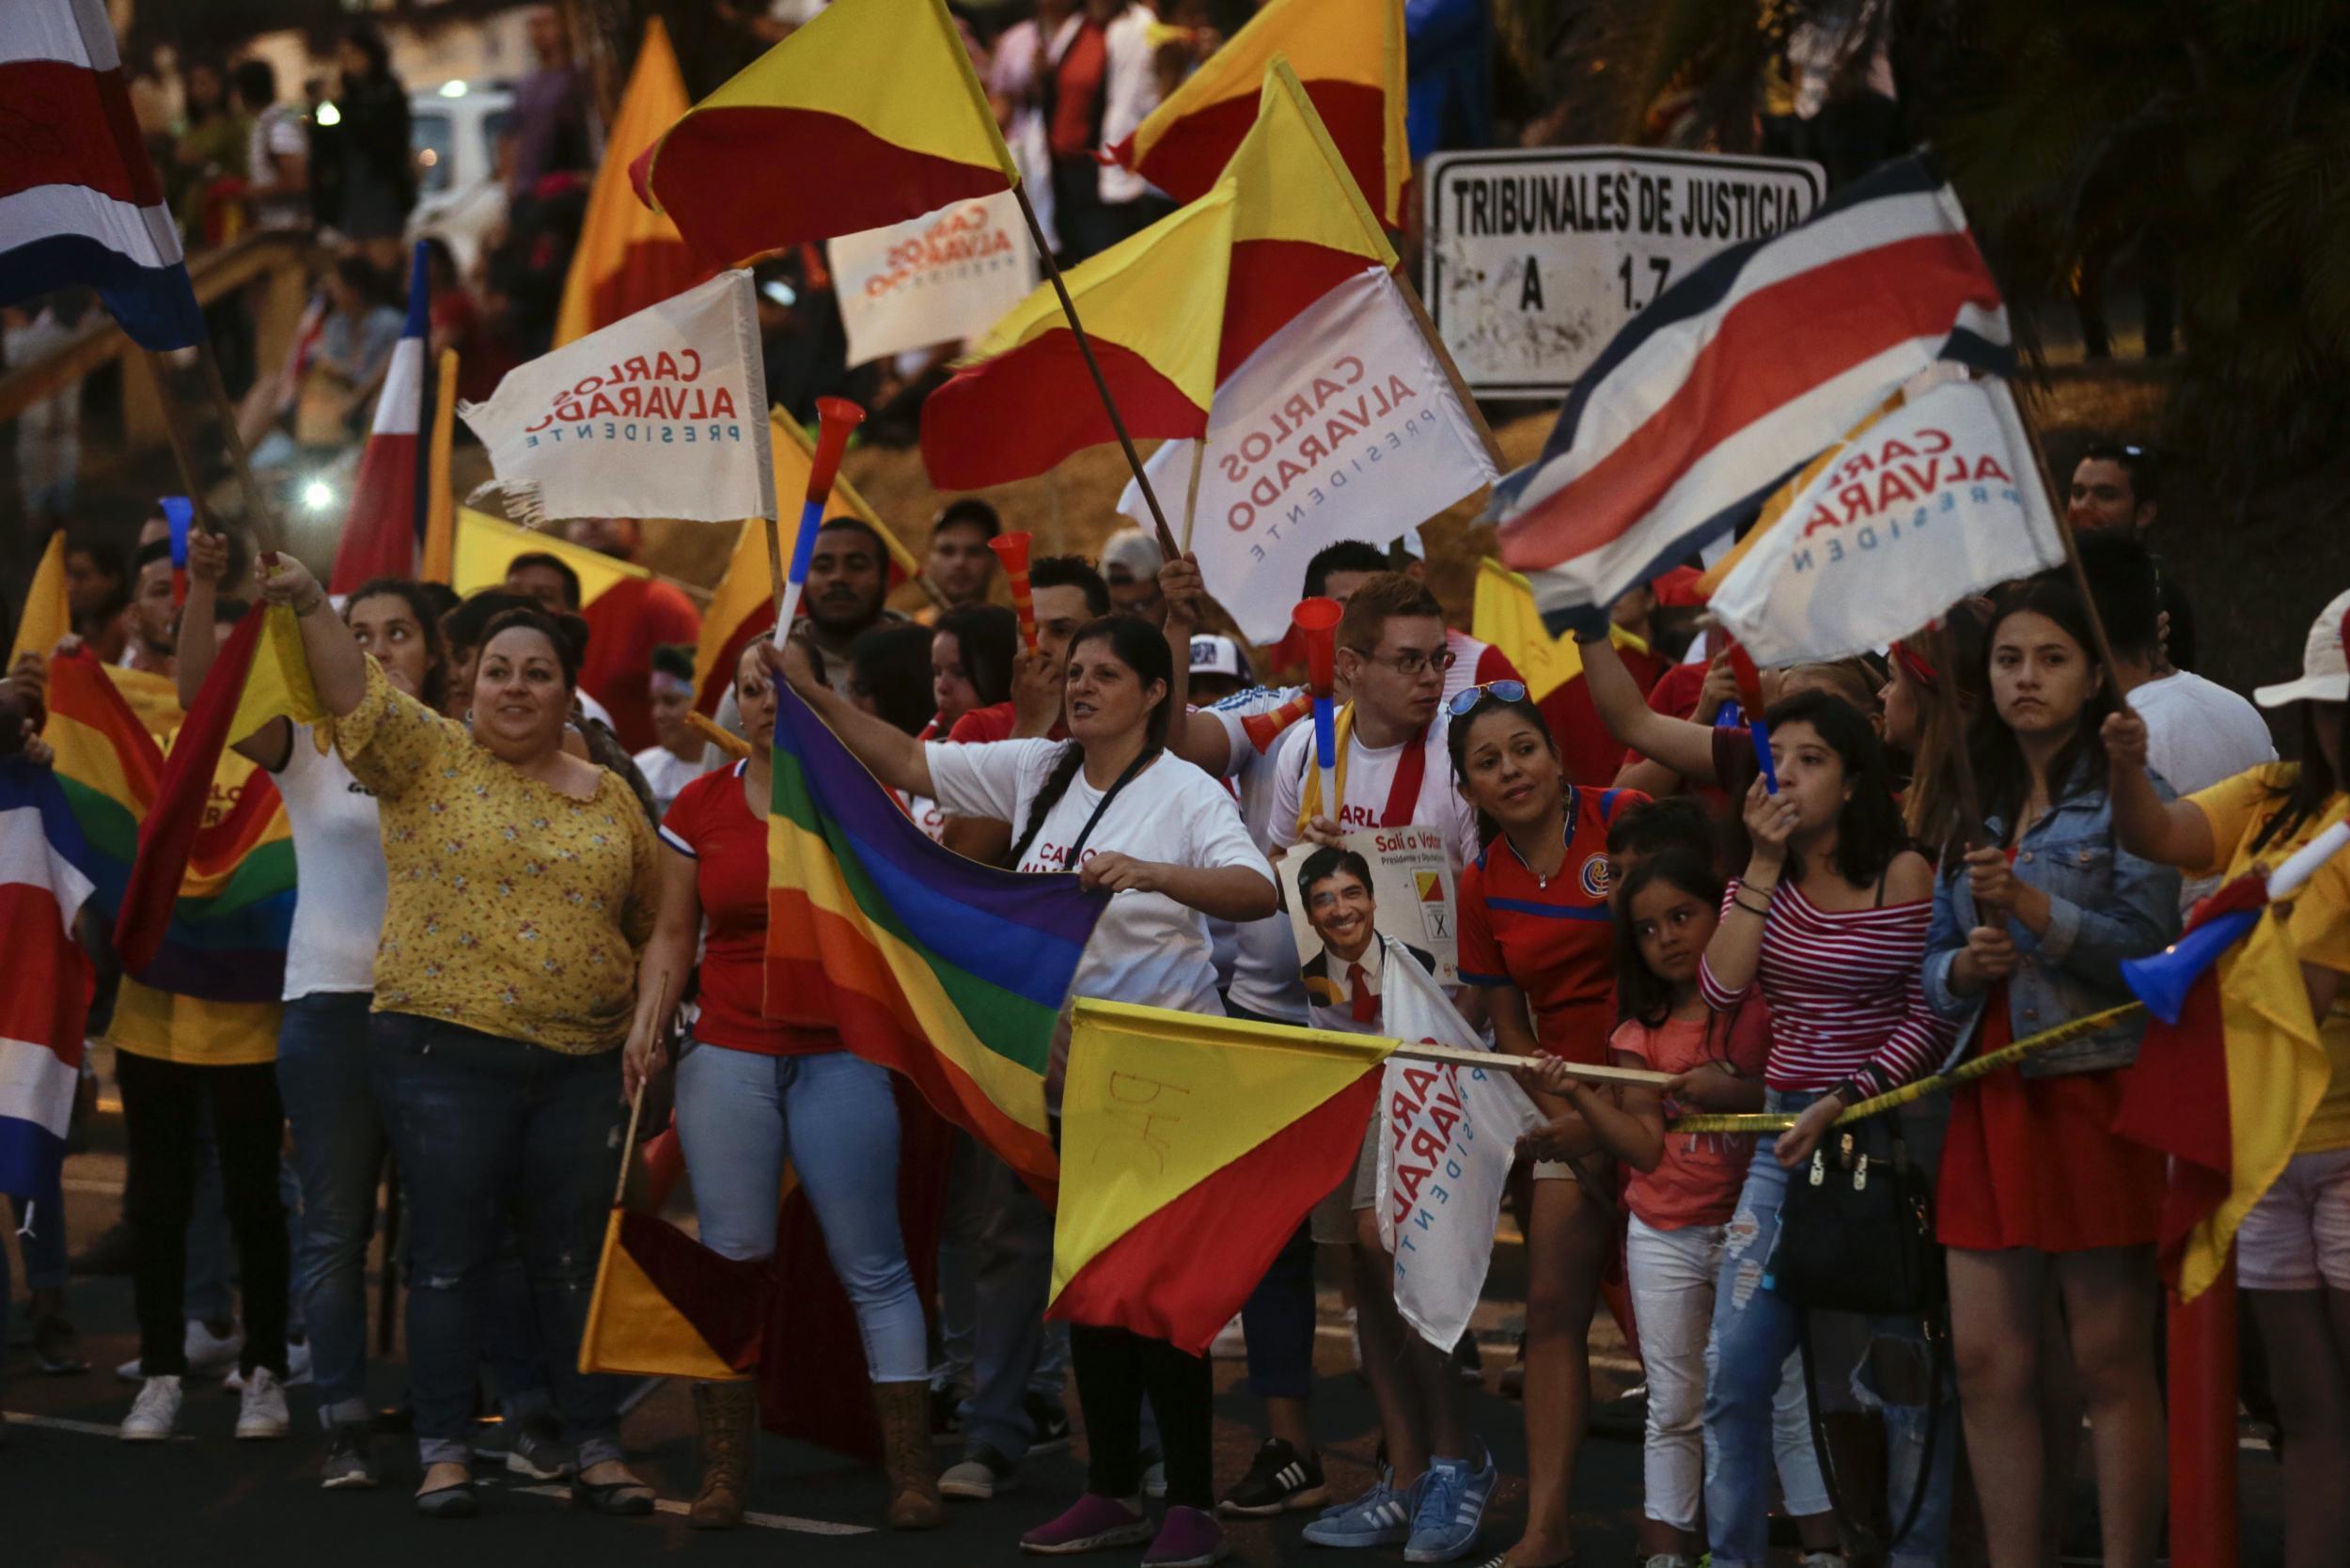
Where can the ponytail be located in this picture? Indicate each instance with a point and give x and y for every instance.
(1065, 766)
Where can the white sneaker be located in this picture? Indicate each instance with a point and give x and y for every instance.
(297, 1369)
(1230, 1342)
(154, 1413)
(261, 1410)
(208, 1355)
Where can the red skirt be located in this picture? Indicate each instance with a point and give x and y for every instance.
(2034, 1162)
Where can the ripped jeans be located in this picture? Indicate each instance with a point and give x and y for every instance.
(492, 1132)
(1754, 1328)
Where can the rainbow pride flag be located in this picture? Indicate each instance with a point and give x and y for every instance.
(226, 940)
(948, 971)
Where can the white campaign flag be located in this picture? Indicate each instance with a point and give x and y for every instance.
(1449, 1136)
(663, 414)
(1342, 425)
(1937, 501)
(939, 278)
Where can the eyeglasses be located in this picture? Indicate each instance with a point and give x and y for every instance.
(1411, 661)
(1500, 691)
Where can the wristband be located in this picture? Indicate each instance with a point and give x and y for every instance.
(1761, 910)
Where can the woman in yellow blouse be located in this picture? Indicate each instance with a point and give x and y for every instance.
(522, 885)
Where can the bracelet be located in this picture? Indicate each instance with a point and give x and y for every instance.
(1762, 910)
(303, 612)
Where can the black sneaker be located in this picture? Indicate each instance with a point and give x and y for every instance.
(349, 1466)
(56, 1349)
(1050, 1420)
(1279, 1479)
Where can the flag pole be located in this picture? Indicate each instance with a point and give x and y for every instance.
(1084, 347)
(1451, 1055)
(262, 521)
(1191, 492)
(1451, 371)
(176, 432)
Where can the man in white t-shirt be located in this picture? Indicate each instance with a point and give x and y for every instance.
(2197, 732)
(1396, 772)
(277, 151)
(1337, 569)
(1130, 91)
(676, 758)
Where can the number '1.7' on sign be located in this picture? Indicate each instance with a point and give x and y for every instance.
(1535, 258)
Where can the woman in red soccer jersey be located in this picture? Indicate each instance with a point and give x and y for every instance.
(1535, 936)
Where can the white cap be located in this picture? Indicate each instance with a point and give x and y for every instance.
(1134, 550)
(1211, 654)
(2325, 672)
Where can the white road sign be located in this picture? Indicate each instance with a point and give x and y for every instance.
(1534, 260)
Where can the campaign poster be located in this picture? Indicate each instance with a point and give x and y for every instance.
(1396, 881)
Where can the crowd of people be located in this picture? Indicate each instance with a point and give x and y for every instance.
(531, 879)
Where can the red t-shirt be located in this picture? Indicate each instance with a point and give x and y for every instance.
(624, 625)
(1553, 940)
(710, 824)
(994, 722)
(1698, 1180)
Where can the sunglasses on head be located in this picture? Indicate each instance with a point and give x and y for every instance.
(1465, 700)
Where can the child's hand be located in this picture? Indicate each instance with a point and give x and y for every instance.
(1708, 1088)
(1547, 1076)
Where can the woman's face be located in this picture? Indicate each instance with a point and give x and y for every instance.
(1810, 774)
(754, 695)
(1904, 703)
(520, 699)
(383, 625)
(2040, 677)
(1671, 927)
(1508, 768)
(1106, 699)
(203, 88)
(951, 687)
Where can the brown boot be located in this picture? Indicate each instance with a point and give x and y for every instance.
(727, 1412)
(905, 1422)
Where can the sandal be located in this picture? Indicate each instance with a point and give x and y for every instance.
(621, 1498)
(455, 1501)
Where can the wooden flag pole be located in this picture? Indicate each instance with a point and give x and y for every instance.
(261, 520)
(1456, 1056)
(178, 432)
(636, 1101)
(1451, 371)
(774, 568)
(1084, 347)
(1191, 494)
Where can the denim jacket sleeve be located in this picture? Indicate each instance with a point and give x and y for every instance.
(2136, 912)
(1946, 938)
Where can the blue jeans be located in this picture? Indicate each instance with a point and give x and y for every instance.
(962, 1244)
(339, 1149)
(490, 1132)
(741, 1115)
(1011, 1345)
(1754, 1328)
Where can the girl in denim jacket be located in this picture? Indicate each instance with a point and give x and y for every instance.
(2028, 931)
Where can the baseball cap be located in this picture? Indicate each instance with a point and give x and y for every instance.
(1211, 654)
(2325, 672)
(1136, 552)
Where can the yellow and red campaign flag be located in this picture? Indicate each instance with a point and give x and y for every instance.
(869, 115)
(630, 256)
(482, 548)
(1153, 308)
(744, 607)
(1193, 1147)
(48, 611)
(1349, 56)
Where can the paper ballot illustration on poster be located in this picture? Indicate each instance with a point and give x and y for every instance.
(1392, 879)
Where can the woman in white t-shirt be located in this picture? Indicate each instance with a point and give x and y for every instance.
(339, 1141)
(1135, 819)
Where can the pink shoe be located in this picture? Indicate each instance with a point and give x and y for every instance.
(1190, 1538)
(1092, 1523)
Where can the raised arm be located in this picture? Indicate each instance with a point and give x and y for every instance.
(2168, 832)
(1686, 749)
(337, 669)
(199, 645)
(897, 759)
(1195, 737)
(1728, 968)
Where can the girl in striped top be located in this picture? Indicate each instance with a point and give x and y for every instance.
(1829, 919)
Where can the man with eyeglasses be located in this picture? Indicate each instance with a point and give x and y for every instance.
(1393, 771)
(2116, 485)
(1337, 570)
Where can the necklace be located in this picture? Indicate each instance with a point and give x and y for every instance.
(1566, 834)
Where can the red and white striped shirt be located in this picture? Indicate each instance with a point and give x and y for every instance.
(1844, 994)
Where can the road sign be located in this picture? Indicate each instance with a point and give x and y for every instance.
(1535, 258)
